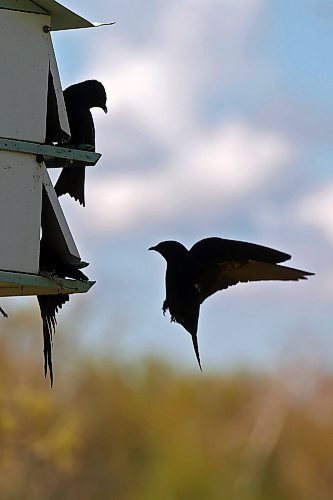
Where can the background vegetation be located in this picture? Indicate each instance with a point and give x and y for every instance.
(114, 430)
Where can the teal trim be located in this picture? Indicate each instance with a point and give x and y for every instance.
(61, 17)
(23, 5)
(19, 284)
(79, 155)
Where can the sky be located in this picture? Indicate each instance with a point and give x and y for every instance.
(220, 123)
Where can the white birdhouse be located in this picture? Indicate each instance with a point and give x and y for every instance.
(30, 84)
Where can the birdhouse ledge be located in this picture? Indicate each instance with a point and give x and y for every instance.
(48, 152)
(20, 284)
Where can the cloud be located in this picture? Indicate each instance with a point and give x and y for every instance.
(159, 89)
(145, 93)
(315, 209)
(213, 169)
(201, 124)
(162, 84)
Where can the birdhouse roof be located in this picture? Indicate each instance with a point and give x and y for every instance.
(61, 17)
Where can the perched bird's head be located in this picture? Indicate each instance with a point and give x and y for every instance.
(97, 95)
(170, 249)
(91, 92)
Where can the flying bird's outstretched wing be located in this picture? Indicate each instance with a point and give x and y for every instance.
(223, 263)
(219, 249)
(211, 265)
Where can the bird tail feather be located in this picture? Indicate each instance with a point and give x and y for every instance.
(71, 181)
(49, 305)
(231, 274)
(196, 349)
(257, 271)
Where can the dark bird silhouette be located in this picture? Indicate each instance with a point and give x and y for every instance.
(214, 264)
(49, 305)
(79, 99)
(51, 263)
(4, 314)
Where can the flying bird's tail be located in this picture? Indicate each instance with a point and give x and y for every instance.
(49, 305)
(71, 181)
(196, 348)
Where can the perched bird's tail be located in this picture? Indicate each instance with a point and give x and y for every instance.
(49, 306)
(71, 181)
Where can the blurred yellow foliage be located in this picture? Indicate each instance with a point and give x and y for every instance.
(146, 432)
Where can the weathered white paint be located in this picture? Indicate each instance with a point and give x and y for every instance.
(20, 202)
(26, 56)
(58, 89)
(24, 62)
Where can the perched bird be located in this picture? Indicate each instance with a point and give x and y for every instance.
(51, 263)
(79, 99)
(214, 264)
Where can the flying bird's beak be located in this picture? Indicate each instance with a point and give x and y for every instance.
(152, 248)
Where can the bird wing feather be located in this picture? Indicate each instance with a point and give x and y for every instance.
(221, 275)
(215, 249)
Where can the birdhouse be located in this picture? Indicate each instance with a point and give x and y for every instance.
(33, 117)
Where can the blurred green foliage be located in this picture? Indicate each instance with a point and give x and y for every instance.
(113, 431)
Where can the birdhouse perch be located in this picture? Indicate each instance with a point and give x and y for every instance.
(31, 95)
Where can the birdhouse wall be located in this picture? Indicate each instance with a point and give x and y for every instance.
(56, 233)
(24, 60)
(20, 198)
(60, 101)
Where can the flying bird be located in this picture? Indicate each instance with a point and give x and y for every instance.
(51, 263)
(214, 264)
(79, 99)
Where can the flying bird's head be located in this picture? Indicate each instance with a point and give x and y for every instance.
(170, 249)
(93, 93)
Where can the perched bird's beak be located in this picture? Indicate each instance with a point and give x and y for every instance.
(152, 248)
(104, 108)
